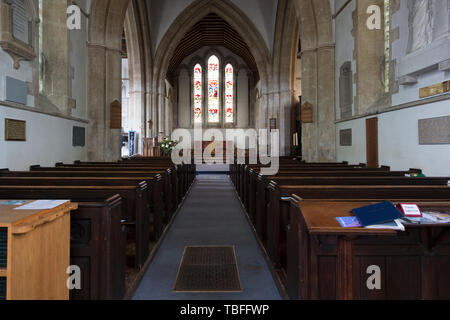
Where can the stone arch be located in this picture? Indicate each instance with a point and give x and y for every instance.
(108, 18)
(317, 42)
(227, 11)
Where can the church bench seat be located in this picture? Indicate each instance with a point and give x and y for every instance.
(257, 185)
(272, 223)
(153, 191)
(171, 194)
(97, 246)
(249, 180)
(245, 172)
(326, 261)
(135, 209)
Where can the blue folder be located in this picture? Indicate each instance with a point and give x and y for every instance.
(377, 213)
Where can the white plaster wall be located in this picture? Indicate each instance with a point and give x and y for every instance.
(261, 12)
(49, 140)
(345, 45)
(24, 73)
(398, 141)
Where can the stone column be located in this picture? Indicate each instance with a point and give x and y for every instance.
(326, 112)
(105, 67)
(309, 94)
(113, 92)
(369, 53)
(96, 103)
(56, 51)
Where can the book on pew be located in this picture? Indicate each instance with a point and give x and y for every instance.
(352, 222)
(377, 214)
(394, 225)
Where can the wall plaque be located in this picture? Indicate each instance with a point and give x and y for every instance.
(434, 131)
(79, 137)
(345, 137)
(116, 115)
(20, 24)
(273, 124)
(307, 112)
(15, 130)
(435, 89)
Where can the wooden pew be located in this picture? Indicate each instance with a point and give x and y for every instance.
(326, 261)
(244, 177)
(154, 190)
(171, 200)
(97, 246)
(135, 209)
(258, 184)
(277, 220)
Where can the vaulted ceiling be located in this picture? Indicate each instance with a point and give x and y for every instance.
(212, 30)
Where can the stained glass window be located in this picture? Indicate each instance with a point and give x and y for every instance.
(229, 94)
(198, 86)
(213, 90)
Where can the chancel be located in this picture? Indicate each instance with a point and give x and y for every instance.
(217, 149)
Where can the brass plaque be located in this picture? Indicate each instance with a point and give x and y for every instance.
(116, 115)
(307, 113)
(15, 130)
(273, 124)
(435, 89)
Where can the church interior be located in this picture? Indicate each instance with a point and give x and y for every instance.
(224, 150)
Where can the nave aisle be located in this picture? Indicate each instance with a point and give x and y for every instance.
(210, 216)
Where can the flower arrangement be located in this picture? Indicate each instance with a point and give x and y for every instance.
(167, 145)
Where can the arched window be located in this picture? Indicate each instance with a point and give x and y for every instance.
(213, 90)
(198, 96)
(229, 94)
(218, 90)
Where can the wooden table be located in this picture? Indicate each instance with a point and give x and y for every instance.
(37, 243)
(327, 261)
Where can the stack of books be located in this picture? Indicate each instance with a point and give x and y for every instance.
(385, 215)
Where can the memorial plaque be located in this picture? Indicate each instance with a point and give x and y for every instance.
(20, 25)
(307, 113)
(346, 137)
(273, 124)
(15, 130)
(434, 131)
(116, 115)
(79, 137)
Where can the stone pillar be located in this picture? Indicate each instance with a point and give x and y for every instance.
(105, 67)
(326, 113)
(56, 51)
(96, 103)
(369, 53)
(309, 94)
(113, 92)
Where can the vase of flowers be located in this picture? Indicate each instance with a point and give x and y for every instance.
(166, 146)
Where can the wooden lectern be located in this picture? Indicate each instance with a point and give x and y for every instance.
(34, 252)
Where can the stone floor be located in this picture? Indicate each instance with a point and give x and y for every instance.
(210, 215)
